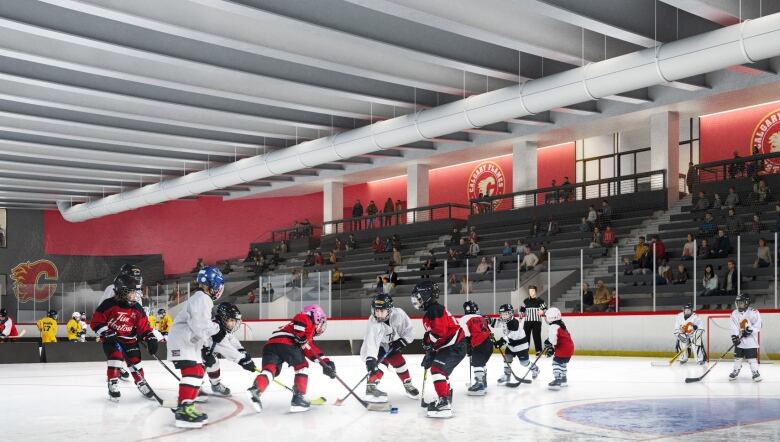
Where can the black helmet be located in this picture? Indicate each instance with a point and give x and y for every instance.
(130, 269)
(382, 301)
(125, 284)
(161, 312)
(742, 302)
(52, 314)
(424, 294)
(687, 307)
(470, 308)
(226, 311)
(506, 308)
(3, 312)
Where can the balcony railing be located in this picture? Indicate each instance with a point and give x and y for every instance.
(387, 219)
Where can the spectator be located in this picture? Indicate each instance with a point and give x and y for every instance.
(566, 189)
(755, 166)
(535, 229)
(592, 216)
(396, 258)
(664, 275)
(357, 213)
(507, 250)
(756, 226)
(454, 283)
(641, 255)
(761, 192)
(388, 211)
(336, 276)
(428, 267)
(473, 234)
(708, 226)
(542, 256)
(606, 214)
(396, 241)
(587, 298)
(319, 260)
(271, 289)
(521, 248)
(658, 246)
(601, 298)
(387, 287)
(306, 227)
(702, 203)
(584, 226)
(732, 199)
(689, 249)
(351, 242)
(453, 256)
(763, 257)
(628, 268)
(692, 177)
(226, 267)
(613, 298)
(199, 265)
(530, 260)
(463, 248)
(716, 202)
(338, 245)
(379, 288)
(709, 283)
(777, 217)
(399, 207)
(552, 197)
(473, 248)
(465, 286)
(705, 252)
(377, 245)
(332, 259)
(737, 167)
(392, 275)
(388, 245)
(595, 240)
(371, 211)
(682, 275)
(608, 239)
(284, 247)
(483, 267)
(721, 247)
(733, 225)
(251, 297)
(730, 280)
(455, 238)
(308, 261)
(552, 227)
(254, 253)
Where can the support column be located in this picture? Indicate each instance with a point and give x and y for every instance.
(332, 206)
(416, 191)
(664, 151)
(524, 164)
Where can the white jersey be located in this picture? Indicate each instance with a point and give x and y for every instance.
(681, 321)
(381, 334)
(742, 320)
(84, 329)
(109, 293)
(191, 329)
(8, 325)
(229, 348)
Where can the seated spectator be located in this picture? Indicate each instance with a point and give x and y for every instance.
(251, 297)
(351, 242)
(530, 260)
(454, 283)
(465, 286)
(226, 267)
(601, 298)
(388, 245)
(463, 247)
(552, 227)
(371, 211)
(729, 287)
(681, 277)
(664, 275)
(380, 285)
(336, 276)
(716, 202)
(377, 245)
(628, 268)
(732, 199)
(473, 248)
(483, 267)
(332, 259)
(453, 257)
(702, 203)
(542, 256)
(709, 284)
(319, 259)
(708, 226)
(641, 259)
(507, 250)
(260, 264)
(521, 248)
(756, 226)
(428, 266)
(587, 297)
(584, 226)
(658, 247)
(721, 247)
(338, 246)
(396, 258)
(396, 241)
(387, 287)
(455, 238)
(763, 256)
(777, 217)
(592, 216)
(284, 247)
(606, 214)
(733, 224)
(689, 249)
(473, 234)
(761, 192)
(608, 239)
(308, 261)
(392, 275)
(198, 266)
(254, 252)
(595, 240)
(705, 252)
(535, 229)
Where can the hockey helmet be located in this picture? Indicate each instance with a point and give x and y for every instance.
(742, 302)
(124, 285)
(470, 308)
(76, 316)
(552, 314)
(687, 310)
(3, 313)
(318, 316)
(52, 314)
(211, 279)
(506, 312)
(382, 302)
(227, 312)
(161, 312)
(424, 294)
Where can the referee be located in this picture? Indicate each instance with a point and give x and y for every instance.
(532, 310)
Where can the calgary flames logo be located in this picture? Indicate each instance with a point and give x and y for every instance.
(28, 275)
(487, 179)
(766, 136)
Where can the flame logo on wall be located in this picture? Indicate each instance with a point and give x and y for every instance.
(486, 179)
(766, 136)
(35, 280)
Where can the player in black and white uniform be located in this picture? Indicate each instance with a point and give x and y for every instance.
(515, 340)
(225, 345)
(745, 325)
(689, 330)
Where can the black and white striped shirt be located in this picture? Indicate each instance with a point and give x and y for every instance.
(533, 308)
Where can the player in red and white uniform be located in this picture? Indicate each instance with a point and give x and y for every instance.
(189, 333)
(7, 326)
(745, 325)
(515, 340)
(444, 344)
(225, 345)
(689, 330)
(480, 346)
(108, 293)
(558, 344)
(388, 330)
(293, 344)
(120, 322)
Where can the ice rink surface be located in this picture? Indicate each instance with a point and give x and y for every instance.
(607, 398)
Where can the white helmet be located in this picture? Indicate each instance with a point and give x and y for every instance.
(76, 316)
(552, 314)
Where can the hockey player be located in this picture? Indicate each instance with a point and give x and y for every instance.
(444, 345)
(190, 332)
(688, 329)
(48, 327)
(515, 340)
(292, 344)
(164, 322)
(388, 330)
(121, 322)
(225, 345)
(745, 325)
(480, 346)
(127, 269)
(7, 326)
(152, 319)
(73, 328)
(558, 344)
(84, 327)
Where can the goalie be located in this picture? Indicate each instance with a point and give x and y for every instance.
(689, 331)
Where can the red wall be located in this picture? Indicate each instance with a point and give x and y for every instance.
(554, 163)
(395, 188)
(722, 134)
(450, 184)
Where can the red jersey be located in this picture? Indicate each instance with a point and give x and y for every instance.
(128, 320)
(300, 333)
(561, 340)
(442, 329)
(8, 328)
(477, 327)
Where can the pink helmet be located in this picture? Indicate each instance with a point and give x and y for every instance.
(317, 315)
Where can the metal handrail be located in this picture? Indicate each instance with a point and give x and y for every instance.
(397, 213)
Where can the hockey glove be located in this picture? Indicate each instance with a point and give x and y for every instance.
(208, 357)
(682, 337)
(735, 339)
(151, 343)
(398, 344)
(371, 365)
(427, 361)
(500, 343)
(549, 350)
(747, 332)
(328, 368)
(247, 363)
(110, 337)
(427, 346)
(695, 327)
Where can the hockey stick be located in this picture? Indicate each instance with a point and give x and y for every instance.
(368, 406)
(166, 404)
(520, 380)
(21, 333)
(667, 364)
(166, 367)
(340, 401)
(689, 380)
(422, 393)
(316, 401)
(523, 380)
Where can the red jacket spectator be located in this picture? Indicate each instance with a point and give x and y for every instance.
(318, 259)
(660, 248)
(608, 238)
(377, 245)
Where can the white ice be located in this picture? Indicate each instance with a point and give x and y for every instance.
(69, 401)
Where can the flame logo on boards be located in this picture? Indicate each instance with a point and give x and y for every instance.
(35, 280)
(487, 179)
(766, 136)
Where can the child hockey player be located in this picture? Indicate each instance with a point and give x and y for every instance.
(48, 327)
(108, 293)
(388, 331)
(7, 326)
(164, 322)
(225, 345)
(84, 327)
(560, 345)
(189, 334)
(480, 346)
(292, 344)
(443, 343)
(150, 316)
(74, 328)
(120, 321)
(688, 329)
(516, 343)
(745, 325)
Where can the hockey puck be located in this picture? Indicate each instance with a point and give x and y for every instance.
(394, 410)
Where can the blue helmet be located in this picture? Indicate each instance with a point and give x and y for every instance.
(212, 279)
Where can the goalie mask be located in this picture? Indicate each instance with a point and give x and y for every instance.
(687, 311)
(742, 302)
